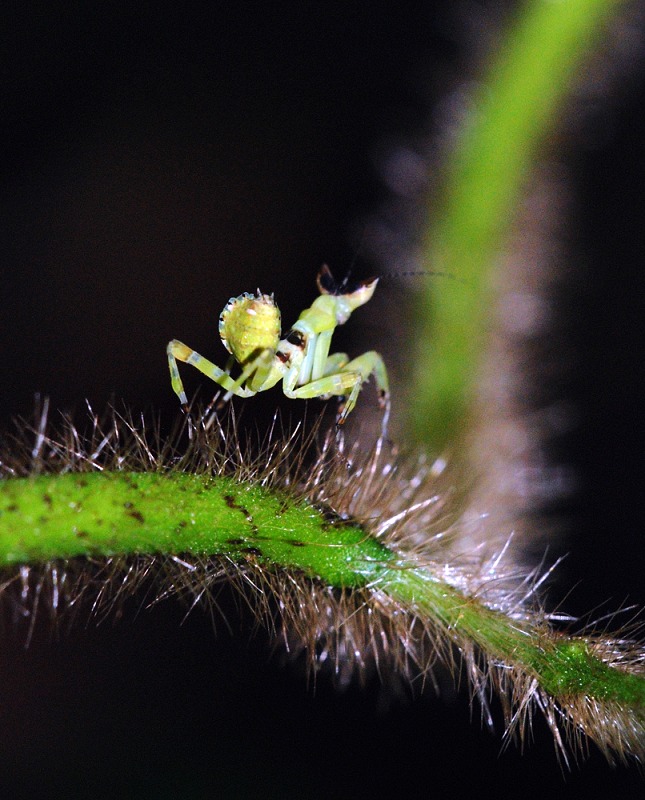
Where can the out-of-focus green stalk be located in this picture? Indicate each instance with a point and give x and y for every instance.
(515, 108)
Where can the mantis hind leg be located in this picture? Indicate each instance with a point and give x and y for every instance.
(178, 351)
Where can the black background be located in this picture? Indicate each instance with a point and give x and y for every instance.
(157, 162)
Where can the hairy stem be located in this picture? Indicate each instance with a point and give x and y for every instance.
(58, 517)
(108, 513)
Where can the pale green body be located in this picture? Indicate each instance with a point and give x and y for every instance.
(250, 330)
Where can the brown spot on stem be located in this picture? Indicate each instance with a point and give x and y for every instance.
(232, 503)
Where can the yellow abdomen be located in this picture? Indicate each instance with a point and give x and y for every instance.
(249, 324)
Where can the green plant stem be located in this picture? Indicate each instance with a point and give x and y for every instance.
(563, 665)
(108, 513)
(515, 109)
(58, 517)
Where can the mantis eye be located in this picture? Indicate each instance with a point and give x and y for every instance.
(358, 295)
(326, 282)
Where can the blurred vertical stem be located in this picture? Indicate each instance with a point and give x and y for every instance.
(515, 108)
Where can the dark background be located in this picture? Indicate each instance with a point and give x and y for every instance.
(156, 163)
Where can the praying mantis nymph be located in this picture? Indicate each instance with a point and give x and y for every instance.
(249, 327)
